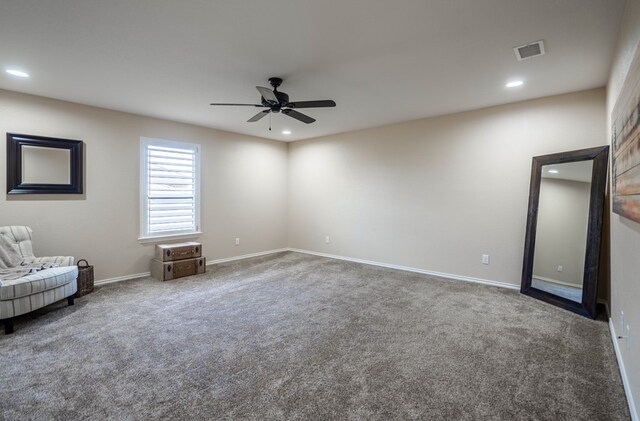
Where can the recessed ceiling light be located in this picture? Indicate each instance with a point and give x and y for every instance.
(553, 171)
(286, 132)
(17, 73)
(514, 84)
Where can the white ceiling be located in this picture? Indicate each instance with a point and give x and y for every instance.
(382, 61)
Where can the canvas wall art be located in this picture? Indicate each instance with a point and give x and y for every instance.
(625, 119)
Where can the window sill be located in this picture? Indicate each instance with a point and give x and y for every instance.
(159, 239)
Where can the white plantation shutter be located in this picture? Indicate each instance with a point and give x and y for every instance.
(170, 188)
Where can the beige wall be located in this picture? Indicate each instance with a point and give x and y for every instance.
(46, 165)
(561, 232)
(437, 193)
(243, 186)
(625, 234)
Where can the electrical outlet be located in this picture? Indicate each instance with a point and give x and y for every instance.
(327, 240)
(237, 241)
(560, 268)
(485, 259)
(627, 337)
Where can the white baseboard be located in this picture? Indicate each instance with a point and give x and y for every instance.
(209, 263)
(623, 373)
(411, 269)
(245, 256)
(122, 278)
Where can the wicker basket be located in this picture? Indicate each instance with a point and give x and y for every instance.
(85, 278)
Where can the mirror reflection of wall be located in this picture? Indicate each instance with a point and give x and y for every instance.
(561, 235)
(46, 165)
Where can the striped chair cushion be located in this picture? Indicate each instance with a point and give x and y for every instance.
(59, 260)
(41, 281)
(23, 305)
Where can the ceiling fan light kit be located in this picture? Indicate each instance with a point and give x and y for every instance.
(275, 101)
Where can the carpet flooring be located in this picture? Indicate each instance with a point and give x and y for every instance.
(292, 336)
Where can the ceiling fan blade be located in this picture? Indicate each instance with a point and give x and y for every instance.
(299, 116)
(258, 116)
(237, 105)
(312, 104)
(267, 94)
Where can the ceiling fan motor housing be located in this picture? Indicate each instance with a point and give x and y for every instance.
(275, 82)
(283, 100)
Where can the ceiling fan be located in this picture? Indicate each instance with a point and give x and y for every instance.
(276, 101)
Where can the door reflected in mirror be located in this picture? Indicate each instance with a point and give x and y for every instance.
(561, 237)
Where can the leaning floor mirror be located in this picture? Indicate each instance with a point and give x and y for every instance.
(564, 228)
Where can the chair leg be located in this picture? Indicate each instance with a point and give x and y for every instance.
(8, 326)
(71, 299)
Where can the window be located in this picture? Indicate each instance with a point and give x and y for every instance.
(170, 188)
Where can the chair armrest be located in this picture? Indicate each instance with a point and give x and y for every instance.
(60, 260)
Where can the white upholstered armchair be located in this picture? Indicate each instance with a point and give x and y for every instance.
(31, 292)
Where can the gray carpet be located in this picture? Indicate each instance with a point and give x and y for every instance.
(292, 336)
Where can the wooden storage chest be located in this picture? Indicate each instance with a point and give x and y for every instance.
(166, 271)
(177, 260)
(178, 251)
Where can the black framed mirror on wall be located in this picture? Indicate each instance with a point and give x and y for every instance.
(43, 165)
(564, 228)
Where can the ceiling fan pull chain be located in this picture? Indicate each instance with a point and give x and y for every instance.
(269, 121)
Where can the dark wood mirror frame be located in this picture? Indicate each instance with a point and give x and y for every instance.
(600, 157)
(15, 142)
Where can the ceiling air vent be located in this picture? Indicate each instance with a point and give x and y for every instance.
(527, 51)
